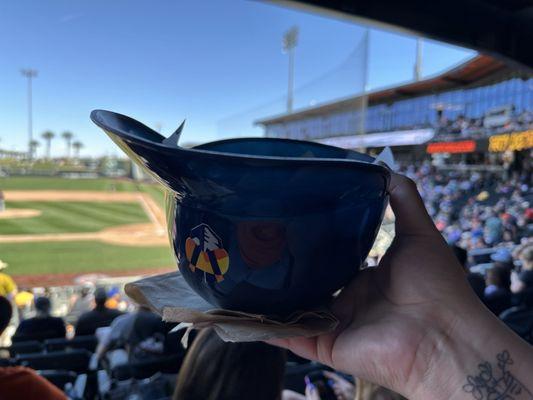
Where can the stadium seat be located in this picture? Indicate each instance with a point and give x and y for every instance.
(59, 377)
(8, 362)
(79, 342)
(27, 347)
(146, 369)
(73, 360)
(159, 386)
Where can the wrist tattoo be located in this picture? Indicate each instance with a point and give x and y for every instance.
(496, 382)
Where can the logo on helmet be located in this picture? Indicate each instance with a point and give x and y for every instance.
(205, 252)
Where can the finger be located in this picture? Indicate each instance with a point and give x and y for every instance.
(331, 375)
(302, 346)
(311, 392)
(408, 207)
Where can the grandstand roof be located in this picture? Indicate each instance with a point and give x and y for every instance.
(503, 28)
(469, 72)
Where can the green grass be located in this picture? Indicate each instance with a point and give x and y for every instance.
(80, 257)
(98, 184)
(65, 217)
(55, 183)
(155, 191)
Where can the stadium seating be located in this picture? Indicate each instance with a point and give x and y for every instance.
(73, 360)
(7, 362)
(27, 347)
(79, 342)
(157, 387)
(145, 369)
(59, 377)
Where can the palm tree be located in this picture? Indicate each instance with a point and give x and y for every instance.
(33, 147)
(48, 136)
(68, 138)
(77, 147)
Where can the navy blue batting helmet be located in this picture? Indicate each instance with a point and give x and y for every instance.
(261, 225)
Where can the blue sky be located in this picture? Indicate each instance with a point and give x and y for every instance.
(163, 61)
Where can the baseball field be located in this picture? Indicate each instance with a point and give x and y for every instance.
(55, 229)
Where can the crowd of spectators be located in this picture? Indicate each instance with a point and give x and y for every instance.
(475, 127)
(475, 209)
(487, 218)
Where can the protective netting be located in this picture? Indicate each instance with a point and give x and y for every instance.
(346, 79)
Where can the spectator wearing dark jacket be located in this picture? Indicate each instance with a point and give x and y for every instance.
(99, 317)
(42, 326)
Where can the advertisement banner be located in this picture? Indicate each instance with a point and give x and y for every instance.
(515, 141)
(464, 146)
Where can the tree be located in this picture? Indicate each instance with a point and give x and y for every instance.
(33, 147)
(77, 147)
(48, 136)
(68, 139)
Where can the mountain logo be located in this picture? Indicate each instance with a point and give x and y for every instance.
(205, 252)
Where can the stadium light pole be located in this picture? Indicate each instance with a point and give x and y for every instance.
(364, 98)
(418, 60)
(30, 74)
(290, 40)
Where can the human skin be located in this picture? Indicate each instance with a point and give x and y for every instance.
(343, 389)
(414, 325)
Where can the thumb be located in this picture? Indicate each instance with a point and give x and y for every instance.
(411, 215)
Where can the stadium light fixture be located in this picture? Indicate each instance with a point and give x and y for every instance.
(290, 40)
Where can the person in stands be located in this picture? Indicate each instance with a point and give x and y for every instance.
(18, 382)
(523, 286)
(498, 296)
(132, 337)
(476, 280)
(8, 287)
(81, 303)
(414, 325)
(215, 370)
(100, 316)
(24, 300)
(502, 258)
(42, 326)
